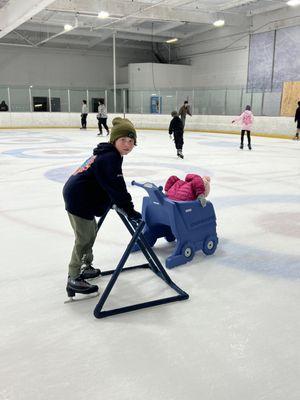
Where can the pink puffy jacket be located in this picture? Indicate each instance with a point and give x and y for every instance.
(187, 190)
(246, 120)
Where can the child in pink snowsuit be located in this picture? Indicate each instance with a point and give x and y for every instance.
(247, 120)
(192, 188)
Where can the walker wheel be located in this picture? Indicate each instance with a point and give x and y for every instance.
(210, 245)
(188, 252)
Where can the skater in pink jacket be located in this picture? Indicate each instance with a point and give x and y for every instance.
(192, 188)
(246, 119)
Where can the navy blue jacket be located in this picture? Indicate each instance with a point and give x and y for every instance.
(176, 126)
(97, 184)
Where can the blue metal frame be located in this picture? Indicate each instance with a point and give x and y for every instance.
(153, 264)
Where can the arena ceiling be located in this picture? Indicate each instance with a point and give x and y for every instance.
(136, 24)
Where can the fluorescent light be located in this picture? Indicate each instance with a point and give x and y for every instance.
(293, 3)
(172, 40)
(103, 14)
(219, 22)
(68, 27)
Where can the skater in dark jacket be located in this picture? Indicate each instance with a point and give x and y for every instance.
(3, 106)
(297, 120)
(90, 191)
(176, 128)
(183, 111)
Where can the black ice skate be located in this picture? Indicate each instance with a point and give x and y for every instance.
(79, 285)
(249, 147)
(179, 154)
(241, 146)
(90, 272)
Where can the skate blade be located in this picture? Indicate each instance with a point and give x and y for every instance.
(86, 297)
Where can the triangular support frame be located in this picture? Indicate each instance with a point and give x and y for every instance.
(153, 264)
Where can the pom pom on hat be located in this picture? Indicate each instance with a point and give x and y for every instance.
(122, 127)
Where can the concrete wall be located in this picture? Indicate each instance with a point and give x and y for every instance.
(267, 126)
(63, 68)
(160, 76)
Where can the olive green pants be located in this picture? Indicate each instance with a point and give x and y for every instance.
(85, 231)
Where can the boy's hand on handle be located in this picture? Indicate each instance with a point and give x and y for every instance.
(134, 216)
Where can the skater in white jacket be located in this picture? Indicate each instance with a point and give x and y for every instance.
(102, 117)
(246, 118)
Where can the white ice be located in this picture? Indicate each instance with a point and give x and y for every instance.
(237, 337)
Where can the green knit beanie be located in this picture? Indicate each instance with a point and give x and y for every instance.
(122, 127)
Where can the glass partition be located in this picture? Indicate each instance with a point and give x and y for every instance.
(40, 99)
(94, 96)
(135, 102)
(271, 104)
(256, 104)
(246, 99)
(182, 96)
(168, 101)
(76, 97)
(217, 102)
(59, 100)
(233, 102)
(119, 101)
(4, 95)
(20, 99)
(201, 102)
(208, 101)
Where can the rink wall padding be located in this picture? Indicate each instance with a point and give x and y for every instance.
(281, 127)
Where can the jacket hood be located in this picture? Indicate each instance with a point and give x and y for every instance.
(103, 148)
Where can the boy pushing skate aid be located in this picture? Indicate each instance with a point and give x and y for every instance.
(89, 192)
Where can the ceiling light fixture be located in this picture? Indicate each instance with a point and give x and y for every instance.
(293, 3)
(68, 27)
(219, 22)
(103, 14)
(172, 40)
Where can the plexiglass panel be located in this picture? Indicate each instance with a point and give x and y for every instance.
(271, 104)
(40, 99)
(59, 100)
(4, 95)
(20, 99)
(233, 101)
(246, 99)
(202, 101)
(168, 101)
(94, 96)
(257, 103)
(119, 101)
(76, 97)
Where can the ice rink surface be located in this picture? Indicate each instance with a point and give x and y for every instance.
(237, 337)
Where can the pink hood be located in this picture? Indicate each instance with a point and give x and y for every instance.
(187, 190)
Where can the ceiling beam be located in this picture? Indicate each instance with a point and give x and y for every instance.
(235, 3)
(85, 30)
(15, 13)
(125, 9)
(267, 8)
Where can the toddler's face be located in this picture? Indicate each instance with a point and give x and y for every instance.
(124, 145)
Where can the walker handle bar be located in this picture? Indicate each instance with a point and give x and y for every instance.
(146, 185)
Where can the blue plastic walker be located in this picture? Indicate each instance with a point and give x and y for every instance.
(190, 223)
